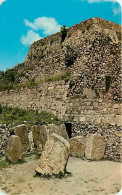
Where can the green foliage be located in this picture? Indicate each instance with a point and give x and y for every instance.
(70, 56)
(65, 77)
(7, 79)
(63, 33)
(43, 175)
(83, 31)
(10, 75)
(4, 164)
(60, 175)
(16, 116)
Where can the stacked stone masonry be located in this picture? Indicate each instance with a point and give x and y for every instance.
(91, 96)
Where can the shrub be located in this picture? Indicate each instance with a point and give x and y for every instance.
(63, 33)
(70, 56)
(83, 31)
(16, 116)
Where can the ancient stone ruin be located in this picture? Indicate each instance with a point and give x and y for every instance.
(13, 149)
(95, 147)
(78, 80)
(22, 132)
(77, 145)
(54, 157)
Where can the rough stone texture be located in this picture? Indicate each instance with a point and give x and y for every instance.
(22, 132)
(55, 156)
(77, 146)
(81, 98)
(95, 147)
(13, 149)
(40, 134)
(62, 131)
(111, 134)
(4, 135)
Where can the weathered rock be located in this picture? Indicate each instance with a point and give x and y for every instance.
(77, 146)
(63, 132)
(13, 150)
(51, 128)
(55, 156)
(39, 135)
(22, 132)
(95, 146)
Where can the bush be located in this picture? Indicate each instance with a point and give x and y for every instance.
(70, 56)
(63, 32)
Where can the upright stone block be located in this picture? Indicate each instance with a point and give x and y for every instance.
(22, 132)
(77, 145)
(55, 156)
(95, 147)
(13, 150)
(39, 135)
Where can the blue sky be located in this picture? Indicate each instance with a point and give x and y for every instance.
(24, 21)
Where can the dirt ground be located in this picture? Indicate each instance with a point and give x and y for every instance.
(87, 178)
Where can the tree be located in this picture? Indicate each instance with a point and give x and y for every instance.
(63, 32)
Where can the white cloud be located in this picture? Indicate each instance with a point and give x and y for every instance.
(116, 10)
(1, 1)
(98, 1)
(47, 25)
(30, 37)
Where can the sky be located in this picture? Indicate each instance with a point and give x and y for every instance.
(24, 21)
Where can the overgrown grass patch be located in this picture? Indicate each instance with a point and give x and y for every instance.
(4, 164)
(16, 116)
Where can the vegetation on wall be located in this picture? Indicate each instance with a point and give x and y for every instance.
(63, 33)
(70, 56)
(11, 80)
(16, 116)
(7, 79)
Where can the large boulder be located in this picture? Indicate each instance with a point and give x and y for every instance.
(77, 146)
(95, 147)
(40, 134)
(54, 157)
(22, 132)
(13, 150)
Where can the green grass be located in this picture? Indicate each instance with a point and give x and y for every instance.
(8, 84)
(4, 164)
(16, 116)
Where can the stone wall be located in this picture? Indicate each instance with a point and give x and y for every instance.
(111, 134)
(91, 95)
(50, 97)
